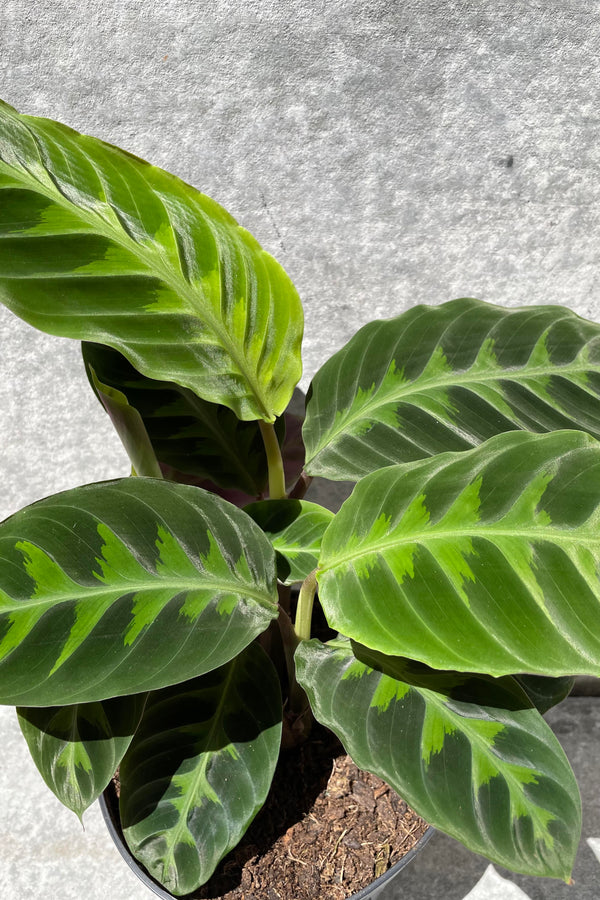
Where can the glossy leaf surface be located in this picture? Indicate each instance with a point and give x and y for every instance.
(200, 768)
(446, 378)
(486, 560)
(124, 587)
(188, 434)
(468, 753)
(295, 528)
(96, 244)
(77, 748)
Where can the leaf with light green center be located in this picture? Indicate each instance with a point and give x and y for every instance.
(469, 753)
(485, 560)
(200, 768)
(78, 748)
(125, 587)
(446, 378)
(98, 245)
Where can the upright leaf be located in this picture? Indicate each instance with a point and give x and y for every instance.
(124, 587)
(480, 561)
(130, 427)
(448, 377)
(469, 754)
(200, 768)
(78, 748)
(96, 244)
(189, 435)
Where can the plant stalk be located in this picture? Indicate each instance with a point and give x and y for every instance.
(306, 599)
(274, 461)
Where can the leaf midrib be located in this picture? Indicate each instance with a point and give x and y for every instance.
(178, 285)
(200, 776)
(415, 387)
(487, 751)
(90, 594)
(541, 534)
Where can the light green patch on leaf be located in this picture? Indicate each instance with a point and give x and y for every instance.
(74, 756)
(46, 574)
(355, 669)
(435, 727)
(172, 558)
(87, 616)
(464, 510)
(146, 606)
(387, 691)
(117, 560)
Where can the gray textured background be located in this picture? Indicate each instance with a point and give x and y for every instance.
(387, 153)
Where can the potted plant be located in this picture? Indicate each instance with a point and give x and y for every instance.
(460, 579)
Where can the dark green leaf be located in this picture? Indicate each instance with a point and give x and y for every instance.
(188, 434)
(295, 528)
(486, 560)
(124, 587)
(469, 754)
(78, 748)
(96, 244)
(448, 377)
(200, 768)
(129, 426)
(546, 692)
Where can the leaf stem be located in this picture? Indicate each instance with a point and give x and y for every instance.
(301, 486)
(274, 461)
(304, 609)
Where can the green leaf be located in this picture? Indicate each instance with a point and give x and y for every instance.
(78, 748)
(469, 754)
(124, 587)
(295, 528)
(200, 768)
(96, 244)
(188, 434)
(130, 427)
(545, 692)
(486, 560)
(446, 378)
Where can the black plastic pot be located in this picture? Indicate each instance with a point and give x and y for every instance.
(108, 805)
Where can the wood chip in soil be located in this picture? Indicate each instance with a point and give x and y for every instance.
(327, 830)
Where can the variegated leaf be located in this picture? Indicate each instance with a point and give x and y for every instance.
(200, 768)
(96, 244)
(486, 560)
(448, 377)
(78, 748)
(295, 528)
(468, 753)
(124, 587)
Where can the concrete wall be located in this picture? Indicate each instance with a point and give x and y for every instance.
(387, 153)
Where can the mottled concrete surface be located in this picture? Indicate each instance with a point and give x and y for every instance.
(387, 153)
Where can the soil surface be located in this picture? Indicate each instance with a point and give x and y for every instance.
(326, 831)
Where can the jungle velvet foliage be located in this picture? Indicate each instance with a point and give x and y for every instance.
(148, 623)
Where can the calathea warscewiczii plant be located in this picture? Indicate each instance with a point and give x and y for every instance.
(146, 622)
